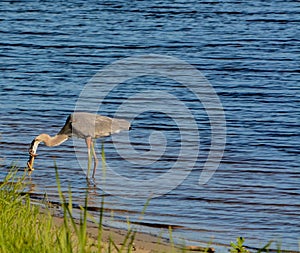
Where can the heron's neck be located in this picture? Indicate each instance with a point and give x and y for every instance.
(52, 141)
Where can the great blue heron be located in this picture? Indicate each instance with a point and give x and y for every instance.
(83, 125)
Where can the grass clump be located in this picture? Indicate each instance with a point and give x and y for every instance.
(25, 228)
(22, 227)
(238, 247)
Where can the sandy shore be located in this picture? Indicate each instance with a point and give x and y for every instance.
(143, 242)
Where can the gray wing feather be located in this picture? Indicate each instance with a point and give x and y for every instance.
(87, 124)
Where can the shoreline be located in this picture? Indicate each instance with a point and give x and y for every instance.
(143, 242)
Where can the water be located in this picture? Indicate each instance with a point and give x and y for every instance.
(249, 51)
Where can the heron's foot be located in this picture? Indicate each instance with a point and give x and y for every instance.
(91, 181)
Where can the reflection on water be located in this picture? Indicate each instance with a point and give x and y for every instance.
(247, 50)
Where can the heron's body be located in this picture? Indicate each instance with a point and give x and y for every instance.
(83, 125)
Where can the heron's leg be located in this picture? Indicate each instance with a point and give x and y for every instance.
(88, 141)
(95, 159)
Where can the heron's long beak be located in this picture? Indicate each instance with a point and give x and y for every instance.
(30, 163)
(32, 155)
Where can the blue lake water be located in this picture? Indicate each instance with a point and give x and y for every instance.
(249, 52)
